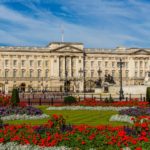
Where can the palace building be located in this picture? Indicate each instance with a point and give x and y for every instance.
(50, 67)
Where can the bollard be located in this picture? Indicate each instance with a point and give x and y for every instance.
(100, 97)
(130, 96)
(92, 96)
(52, 101)
(141, 97)
(40, 101)
(126, 99)
(29, 101)
(79, 98)
(144, 99)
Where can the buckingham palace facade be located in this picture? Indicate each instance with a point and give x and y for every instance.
(49, 67)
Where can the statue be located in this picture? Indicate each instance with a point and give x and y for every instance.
(109, 79)
(98, 83)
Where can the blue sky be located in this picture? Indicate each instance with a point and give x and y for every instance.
(96, 23)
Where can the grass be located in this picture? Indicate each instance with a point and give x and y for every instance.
(75, 117)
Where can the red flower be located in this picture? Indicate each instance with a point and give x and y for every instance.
(83, 142)
(55, 116)
(138, 148)
(121, 133)
(1, 140)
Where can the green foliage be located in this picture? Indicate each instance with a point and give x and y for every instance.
(109, 100)
(15, 100)
(106, 100)
(70, 100)
(148, 94)
(1, 121)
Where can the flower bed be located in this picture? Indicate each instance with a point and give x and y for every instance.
(24, 117)
(130, 103)
(122, 118)
(56, 133)
(4, 100)
(29, 110)
(87, 108)
(15, 146)
(136, 112)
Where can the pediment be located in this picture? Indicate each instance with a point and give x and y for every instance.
(67, 49)
(141, 52)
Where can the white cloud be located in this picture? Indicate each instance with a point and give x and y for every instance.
(46, 27)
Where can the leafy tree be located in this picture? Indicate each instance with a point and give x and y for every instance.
(15, 100)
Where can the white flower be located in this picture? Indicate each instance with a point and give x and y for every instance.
(24, 117)
(88, 108)
(121, 118)
(15, 146)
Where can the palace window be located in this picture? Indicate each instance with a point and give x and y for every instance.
(92, 63)
(99, 63)
(92, 73)
(39, 63)
(6, 73)
(136, 64)
(14, 63)
(31, 63)
(22, 73)
(46, 63)
(106, 72)
(136, 74)
(127, 73)
(141, 64)
(39, 73)
(31, 73)
(6, 63)
(106, 64)
(46, 73)
(113, 73)
(145, 64)
(126, 64)
(141, 73)
(23, 63)
(113, 64)
(14, 73)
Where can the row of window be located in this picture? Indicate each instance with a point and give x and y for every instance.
(141, 64)
(106, 64)
(39, 73)
(23, 73)
(24, 63)
(39, 63)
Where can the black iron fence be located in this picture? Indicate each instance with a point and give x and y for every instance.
(58, 98)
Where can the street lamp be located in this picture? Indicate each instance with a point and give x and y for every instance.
(120, 64)
(66, 82)
(99, 75)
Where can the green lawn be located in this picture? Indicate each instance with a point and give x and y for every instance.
(91, 117)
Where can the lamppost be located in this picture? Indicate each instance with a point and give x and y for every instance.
(66, 83)
(99, 75)
(84, 87)
(120, 64)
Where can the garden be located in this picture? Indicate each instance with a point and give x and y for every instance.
(82, 125)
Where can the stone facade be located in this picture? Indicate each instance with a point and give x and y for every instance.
(49, 67)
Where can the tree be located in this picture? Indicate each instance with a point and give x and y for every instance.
(15, 100)
(148, 94)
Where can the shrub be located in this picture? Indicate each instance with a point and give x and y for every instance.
(1, 122)
(15, 100)
(111, 100)
(148, 94)
(106, 100)
(70, 100)
(29, 110)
